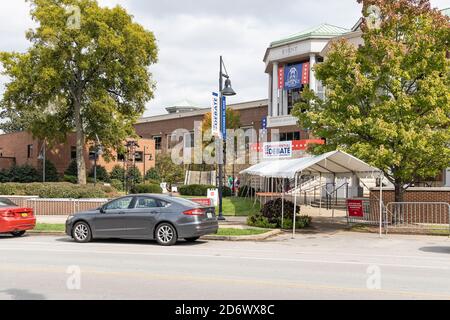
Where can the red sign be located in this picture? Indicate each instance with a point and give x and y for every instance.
(280, 77)
(203, 201)
(305, 73)
(355, 208)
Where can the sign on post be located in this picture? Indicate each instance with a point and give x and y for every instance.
(279, 149)
(213, 195)
(355, 208)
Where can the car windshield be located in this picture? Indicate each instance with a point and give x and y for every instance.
(6, 203)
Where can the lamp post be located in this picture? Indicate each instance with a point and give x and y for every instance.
(227, 91)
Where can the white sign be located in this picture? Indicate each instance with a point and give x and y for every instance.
(215, 115)
(280, 149)
(213, 195)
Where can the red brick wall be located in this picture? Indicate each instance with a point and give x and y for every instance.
(415, 195)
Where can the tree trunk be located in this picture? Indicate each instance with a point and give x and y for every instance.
(80, 142)
(399, 192)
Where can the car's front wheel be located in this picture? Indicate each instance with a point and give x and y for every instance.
(81, 232)
(166, 235)
(18, 233)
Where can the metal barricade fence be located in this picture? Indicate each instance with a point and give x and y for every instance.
(53, 207)
(425, 216)
(371, 213)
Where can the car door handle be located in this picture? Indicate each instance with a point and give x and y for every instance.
(121, 212)
(153, 212)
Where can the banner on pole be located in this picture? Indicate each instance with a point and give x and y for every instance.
(223, 114)
(280, 78)
(293, 76)
(215, 115)
(305, 73)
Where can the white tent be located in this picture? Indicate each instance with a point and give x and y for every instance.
(334, 164)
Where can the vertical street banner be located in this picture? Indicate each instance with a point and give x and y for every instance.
(215, 115)
(223, 114)
(305, 73)
(293, 76)
(280, 78)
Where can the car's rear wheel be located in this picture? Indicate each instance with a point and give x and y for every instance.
(18, 233)
(166, 235)
(193, 239)
(81, 232)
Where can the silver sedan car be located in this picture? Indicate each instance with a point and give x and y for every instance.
(144, 216)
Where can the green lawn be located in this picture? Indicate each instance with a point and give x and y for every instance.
(239, 232)
(235, 206)
(49, 227)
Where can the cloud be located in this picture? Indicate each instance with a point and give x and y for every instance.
(192, 34)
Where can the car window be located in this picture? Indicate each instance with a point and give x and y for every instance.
(6, 203)
(122, 203)
(142, 203)
(185, 202)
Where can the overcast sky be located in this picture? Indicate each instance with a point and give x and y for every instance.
(192, 34)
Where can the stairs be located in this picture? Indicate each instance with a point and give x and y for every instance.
(339, 204)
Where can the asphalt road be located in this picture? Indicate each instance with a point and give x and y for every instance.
(312, 266)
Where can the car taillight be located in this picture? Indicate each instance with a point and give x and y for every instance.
(7, 214)
(194, 212)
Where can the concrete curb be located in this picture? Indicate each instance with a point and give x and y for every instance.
(256, 237)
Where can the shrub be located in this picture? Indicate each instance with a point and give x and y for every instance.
(51, 174)
(5, 175)
(57, 190)
(195, 190)
(72, 169)
(201, 190)
(117, 184)
(152, 175)
(134, 176)
(24, 174)
(146, 188)
(246, 191)
(226, 192)
(117, 173)
(71, 179)
(102, 174)
(270, 216)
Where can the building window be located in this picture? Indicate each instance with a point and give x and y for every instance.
(139, 156)
(293, 97)
(120, 157)
(158, 141)
(189, 140)
(29, 151)
(73, 153)
(290, 136)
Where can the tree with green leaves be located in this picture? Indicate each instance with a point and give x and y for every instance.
(387, 101)
(168, 171)
(86, 71)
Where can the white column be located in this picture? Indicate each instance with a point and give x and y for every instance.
(269, 108)
(312, 76)
(275, 89)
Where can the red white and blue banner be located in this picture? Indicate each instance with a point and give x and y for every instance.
(293, 76)
(215, 115)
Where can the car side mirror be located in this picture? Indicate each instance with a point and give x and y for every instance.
(102, 210)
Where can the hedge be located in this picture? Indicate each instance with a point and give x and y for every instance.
(146, 188)
(201, 190)
(57, 190)
(270, 216)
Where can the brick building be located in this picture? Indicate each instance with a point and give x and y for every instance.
(21, 148)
